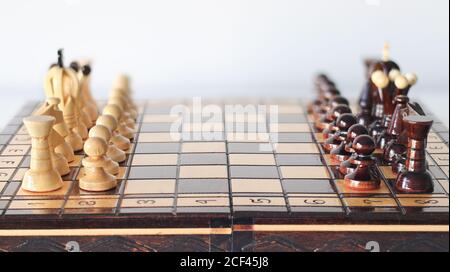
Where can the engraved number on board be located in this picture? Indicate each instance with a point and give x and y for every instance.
(436, 147)
(424, 202)
(315, 201)
(145, 201)
(204, 202)
(2, 175)
(370, 202)
(8, 162)
(15, 150)
(373, 246)
(23, 139)
(87, 203)
(260, 201)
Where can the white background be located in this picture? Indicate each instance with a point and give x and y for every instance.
(222, 48)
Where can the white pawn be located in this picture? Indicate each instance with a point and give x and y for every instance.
(96, 178)
(113, 152)
(126, 115)
(116, 138)
(117, 113)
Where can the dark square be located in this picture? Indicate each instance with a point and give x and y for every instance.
(157, 148)
(294, 186)
(291, 118)
(192, 186)
(3, 204)
(153, 172)
(4, 139)
(247, 148)
(25, 162)
(299, 159)
(11, 188)
(246, 127)
(291, 137)
(158, 127)
(203, 159)
(254, 172)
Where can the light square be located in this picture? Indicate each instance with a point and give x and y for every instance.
(154, 159)
(256, 186)
(150, 187)
(203, 147)
(304, 172)
(297, 148)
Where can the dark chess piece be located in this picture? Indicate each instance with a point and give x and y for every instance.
(364, 117)
(345, 150)
(343, 123)
(349, 165)
(388, 64)
(415, 178)
(326, 98)
(402, 86)
(396, 136)
(365, 176)
(383, 108)
(337, 100)
(329, 121)
(320, 81)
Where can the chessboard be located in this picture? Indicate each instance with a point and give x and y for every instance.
(231, 174)
(276, 188)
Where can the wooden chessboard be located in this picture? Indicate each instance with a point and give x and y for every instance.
(232, 193)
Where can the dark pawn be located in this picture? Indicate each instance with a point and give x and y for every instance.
(364, 177)
(337, 100)
(364, 117)
(343, 123)
(329, 122)
(416, 178)
(345, 150)
(325, 99)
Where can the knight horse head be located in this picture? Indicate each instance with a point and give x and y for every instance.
(61, 82)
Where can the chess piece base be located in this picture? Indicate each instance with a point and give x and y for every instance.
(412, 182)
(42, 181)
(359, 185)
(99, 182)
